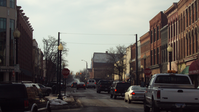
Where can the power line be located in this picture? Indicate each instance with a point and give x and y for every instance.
(94, 43)
(99, 34)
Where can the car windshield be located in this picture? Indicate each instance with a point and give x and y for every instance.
(138, 88)
(105, 82)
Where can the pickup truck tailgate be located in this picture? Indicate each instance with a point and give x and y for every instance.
(180, 95)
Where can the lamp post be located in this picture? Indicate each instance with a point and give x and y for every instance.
(16, 35)
(144, 57)
(60, 48)
(170, 49)
(86, 67)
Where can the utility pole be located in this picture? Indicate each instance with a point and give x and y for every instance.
(137, 75)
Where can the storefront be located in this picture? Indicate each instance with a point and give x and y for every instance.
(194, 72)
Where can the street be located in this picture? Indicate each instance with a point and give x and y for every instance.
(101, 102)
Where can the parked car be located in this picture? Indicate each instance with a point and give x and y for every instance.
(74, 85)
(103, 85)
(118, 88)
(19, 97)
(81, 85)
(171, 91)
(91, 83)
(134, 93)
(45, 90)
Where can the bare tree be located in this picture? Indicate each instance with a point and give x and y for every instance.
(116, 56)
(50, 54)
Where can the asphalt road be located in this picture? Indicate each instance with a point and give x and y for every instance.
(101, 102)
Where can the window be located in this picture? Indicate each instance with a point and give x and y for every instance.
(172, 79)
(166, 54)
(169, 31)
(196, 8)
(192, 13)
(189, 15)
(157, 55)
(3, 23)
(196, 40)
(12, 27)
(151, 36)
(157, 32)
(154, 34)
(174, 51)
(154, 53)
(190, 43)
(3, 3)
(193, 42)
(151, 57)
(12, 4)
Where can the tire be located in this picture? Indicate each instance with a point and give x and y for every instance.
(48, 109)
(129, 101)
(125, 99)
(35, 110)
(111, 96)
(97, 91)
(146, 108)
(115, 96)
(154, 108)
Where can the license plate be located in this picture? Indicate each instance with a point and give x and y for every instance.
(180, 105)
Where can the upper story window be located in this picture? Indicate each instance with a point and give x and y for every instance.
(2, 23)
(151, 36)
(3, 3)
(157, 32)
(12, 4)
(154, 34)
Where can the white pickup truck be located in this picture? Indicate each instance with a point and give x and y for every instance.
(171, 92)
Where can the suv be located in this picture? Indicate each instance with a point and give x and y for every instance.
(91, 83)
(22, 97)
(118, 88)
(103, 85)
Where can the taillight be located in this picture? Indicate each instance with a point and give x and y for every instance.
(84, 84)
(132, 93)
(100, 85)
(87, 82)
(115, 90)
(158, 94)
(95, 82)
(26, 103)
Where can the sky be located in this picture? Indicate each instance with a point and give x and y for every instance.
(89, 26)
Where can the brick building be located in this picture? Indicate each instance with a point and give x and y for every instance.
(159, 21)
(24, 46)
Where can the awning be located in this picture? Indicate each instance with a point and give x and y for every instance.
(194, 68)
(185, 71)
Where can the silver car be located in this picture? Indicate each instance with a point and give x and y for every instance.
(134, 93)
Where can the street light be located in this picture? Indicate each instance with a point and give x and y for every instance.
(60, 48)
(86, 67)
(144, 57)
(16, 35)
(170, 49)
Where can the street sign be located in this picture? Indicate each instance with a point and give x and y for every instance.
(65, 72)
(147, 71)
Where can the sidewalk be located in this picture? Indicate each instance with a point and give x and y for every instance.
(68, 102)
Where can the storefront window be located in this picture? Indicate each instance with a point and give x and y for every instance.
(3, 41)
(12, 26)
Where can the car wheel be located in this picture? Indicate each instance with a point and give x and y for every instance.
(115, 96)
(35, 109)
(154, 108)
(111, 96)
(129, 101)
(97, 91)
(48, 92)
(146, 108)
(48, 109)
(125, 99)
